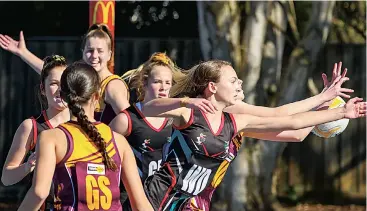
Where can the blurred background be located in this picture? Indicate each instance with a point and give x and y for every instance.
(278, 48)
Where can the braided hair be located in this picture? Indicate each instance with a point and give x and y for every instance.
(79, 83)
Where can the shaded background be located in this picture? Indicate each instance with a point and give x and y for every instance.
(161, 19)
(331, 171)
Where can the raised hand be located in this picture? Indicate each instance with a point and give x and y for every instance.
(336, 72)
(9, 44)
(202, 104)
(333, 88)
(355, 108)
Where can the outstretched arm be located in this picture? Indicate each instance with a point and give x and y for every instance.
(283, 136)
(331, 90)
(19, 48)
(354, 108)
(176, 107)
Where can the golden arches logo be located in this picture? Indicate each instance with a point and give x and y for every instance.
(105, 11)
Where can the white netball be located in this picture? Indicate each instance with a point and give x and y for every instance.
(331, 129)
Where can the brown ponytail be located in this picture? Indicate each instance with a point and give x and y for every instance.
(78, 84)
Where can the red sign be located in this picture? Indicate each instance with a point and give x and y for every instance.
(103, 11)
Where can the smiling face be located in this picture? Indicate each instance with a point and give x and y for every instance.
(51, 88)
(97, 52)
(159, 83)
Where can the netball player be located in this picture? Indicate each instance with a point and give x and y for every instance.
(97, 47)
(201, 141)
(84, 158)
(24, 141)
(147, 135)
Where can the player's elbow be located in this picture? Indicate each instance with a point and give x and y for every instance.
(40, 193)
(291, 136)
(297, 138)
(298, 135)
(6, 179)
(6, 182)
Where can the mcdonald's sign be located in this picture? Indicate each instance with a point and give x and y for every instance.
(103, 11)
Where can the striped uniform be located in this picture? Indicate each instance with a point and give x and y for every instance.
(81, 180)
(104, 111)
(194, 161)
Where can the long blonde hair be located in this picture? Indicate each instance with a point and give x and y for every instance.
(193, 82)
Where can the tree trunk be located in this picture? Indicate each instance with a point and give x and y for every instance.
(244, 170)
(219, 30)
(273, 55)
(247, 185)
(303, 57)
(269, 85)
(253, 40)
